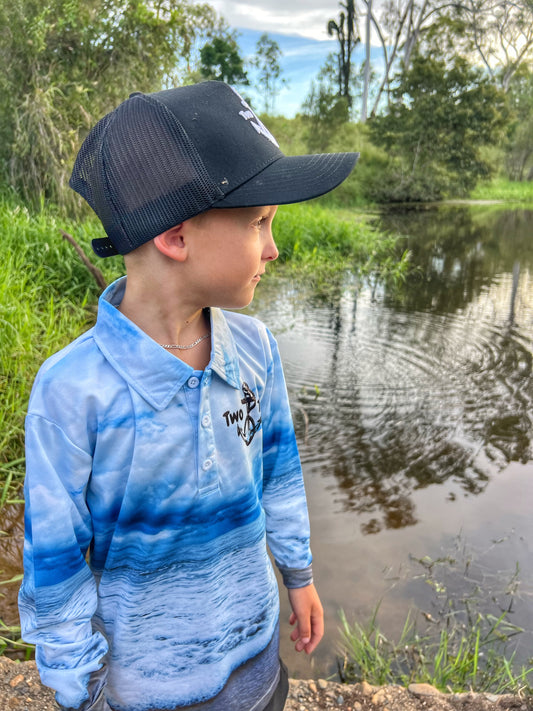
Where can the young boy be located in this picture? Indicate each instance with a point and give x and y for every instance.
(161, 456)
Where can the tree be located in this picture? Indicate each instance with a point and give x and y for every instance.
(266, 62)
(519, 156)
(367, 70)
(399, 28)
(220, 60)
(443, 112)
(500, 34)
(346, 30)
(66, 63)
(324, 111)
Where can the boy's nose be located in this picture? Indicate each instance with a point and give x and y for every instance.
(270, 252)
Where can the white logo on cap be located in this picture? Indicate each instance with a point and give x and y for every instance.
(259, 126)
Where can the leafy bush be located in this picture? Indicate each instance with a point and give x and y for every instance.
(66, 63)
(442, 114)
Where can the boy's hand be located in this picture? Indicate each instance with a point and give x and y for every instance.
(308, 615)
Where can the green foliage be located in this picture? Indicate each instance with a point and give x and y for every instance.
(321, 246)
(47, 298)
(67, 62)
(356, 190)
(220, 60)
(266, 62)
(325, 113)
(11, 642)
(442, 115)
(325, 109)
(505, 190)
(458, 660)
(519, 156)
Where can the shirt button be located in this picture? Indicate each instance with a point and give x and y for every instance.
(207, 465)
(206, 420)
(193, 382)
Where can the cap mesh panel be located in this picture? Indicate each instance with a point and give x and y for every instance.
(141, 174)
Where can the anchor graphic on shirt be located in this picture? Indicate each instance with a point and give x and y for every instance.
(249, 426)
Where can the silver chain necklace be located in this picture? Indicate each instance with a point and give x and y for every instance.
(185, 348)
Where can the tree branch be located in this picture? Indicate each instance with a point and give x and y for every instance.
(96, 273)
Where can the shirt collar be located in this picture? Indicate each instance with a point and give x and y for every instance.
(153, 372)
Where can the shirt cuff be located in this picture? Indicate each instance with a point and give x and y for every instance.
(296, 577)
(96, 700)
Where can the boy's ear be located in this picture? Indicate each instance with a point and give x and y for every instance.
(172, 243)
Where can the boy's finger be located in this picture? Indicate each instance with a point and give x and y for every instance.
(312, 644)
(301, 634)
(318, 633)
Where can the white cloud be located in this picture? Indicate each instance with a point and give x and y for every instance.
(307, 18)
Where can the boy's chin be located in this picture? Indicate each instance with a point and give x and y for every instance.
(238, 302)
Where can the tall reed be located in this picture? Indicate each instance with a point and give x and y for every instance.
(46, 299)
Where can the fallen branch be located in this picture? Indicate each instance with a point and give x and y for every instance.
(97, 274)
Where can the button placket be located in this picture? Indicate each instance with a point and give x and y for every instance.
(208, 472)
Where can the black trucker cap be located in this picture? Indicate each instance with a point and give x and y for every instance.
(161, 158)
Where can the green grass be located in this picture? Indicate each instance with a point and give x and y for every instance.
(462, 647)
(458, 659)
(505, 190)
(320, 245)
(47, 298)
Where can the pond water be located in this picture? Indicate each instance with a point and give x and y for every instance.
(413, 413)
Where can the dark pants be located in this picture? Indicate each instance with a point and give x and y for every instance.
(277, 702)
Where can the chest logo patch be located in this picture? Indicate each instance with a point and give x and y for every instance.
(246, 424)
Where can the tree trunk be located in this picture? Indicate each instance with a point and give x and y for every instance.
(366, 81)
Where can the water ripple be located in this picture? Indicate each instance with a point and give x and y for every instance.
(389, 402)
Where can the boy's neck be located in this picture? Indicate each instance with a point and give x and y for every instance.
(169, 320)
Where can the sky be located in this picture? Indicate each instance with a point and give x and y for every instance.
(307, 18)
(299, 28)
(300, 62)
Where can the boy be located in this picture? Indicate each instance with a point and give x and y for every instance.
(161, 455)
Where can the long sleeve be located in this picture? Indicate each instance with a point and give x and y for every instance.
(284, 500)
(58, 596)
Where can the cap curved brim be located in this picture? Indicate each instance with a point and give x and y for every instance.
(292, 179)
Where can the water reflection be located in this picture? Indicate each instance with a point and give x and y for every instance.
(459, 252)
(429, 384)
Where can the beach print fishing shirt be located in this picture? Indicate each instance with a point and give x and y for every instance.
(151, 493)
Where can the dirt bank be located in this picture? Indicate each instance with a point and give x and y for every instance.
(21, 690)
(319, 695)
